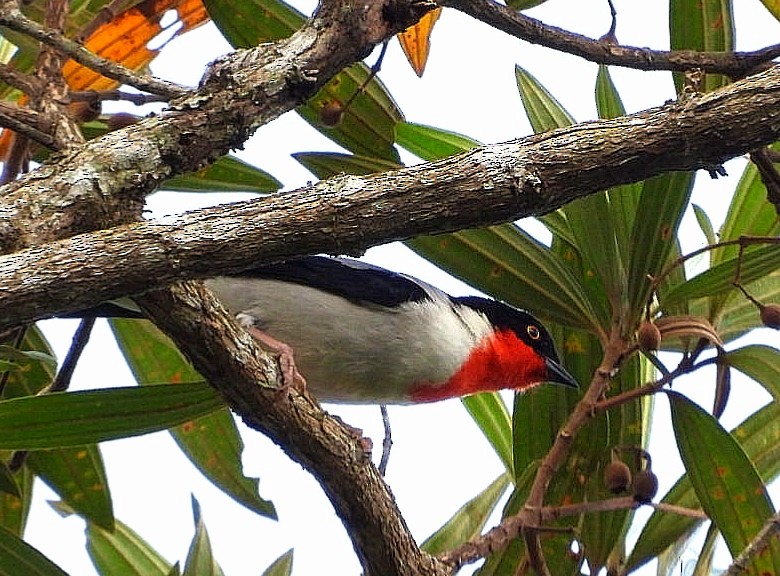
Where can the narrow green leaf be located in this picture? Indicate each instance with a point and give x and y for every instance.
(524, 4)
(212, 443)
(124, 553)
(543, 110)
(704, 563)
(759, 362)
(705, 224)
(19, 558)
(737, 315)
(654, 239)
(608, 102)
(429, 143)
(507, 263)
(227, 174)
(8, 483)
(756, 263)
(750, 214)
(491, 415)
(78, 418)
(663, 529)
(78, 476)
(726, 483)
(282, 566)
(14, 509)
(468, 521)
(200, 558)
(328, 164)
(366, 126)
(703, 25)
(247, 24)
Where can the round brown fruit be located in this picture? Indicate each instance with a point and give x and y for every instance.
(645, 486)
(649, 336)
(617, 476)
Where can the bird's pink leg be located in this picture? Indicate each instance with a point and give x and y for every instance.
(291, 378)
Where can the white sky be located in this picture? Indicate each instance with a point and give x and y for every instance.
(469, 86)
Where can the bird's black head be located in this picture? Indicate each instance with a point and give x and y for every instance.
(528, 328)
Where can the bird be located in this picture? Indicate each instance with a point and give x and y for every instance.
(356, 333)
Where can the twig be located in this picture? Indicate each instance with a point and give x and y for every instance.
(740, 564)
(387, 443)
(105, 95)
(733, 64)
(769, 176)
(19, 80)
(28, 122)
(80, 339)
(11, 17)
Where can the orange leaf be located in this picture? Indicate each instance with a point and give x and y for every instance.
(125, 39)
(416, 41)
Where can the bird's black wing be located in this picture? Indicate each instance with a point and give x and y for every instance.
(351, 279)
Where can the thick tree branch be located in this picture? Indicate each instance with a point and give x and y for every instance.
(28, 122)
(733, 64)
(103, 182)
(229, 358)
(488, 185)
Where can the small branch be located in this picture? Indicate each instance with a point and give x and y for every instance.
(23, 82)
(27, 122)
(115, 95)
(740, 564)
(769, 176)
(11, 16)
(733, 64)
(80, 339)
(497, 537)
(387, 443)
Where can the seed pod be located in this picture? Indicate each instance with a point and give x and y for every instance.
(649, 336)
(770, 316)
(645, 486)
(617, 476)
(331, 113)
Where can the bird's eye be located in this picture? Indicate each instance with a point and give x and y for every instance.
(533, 332)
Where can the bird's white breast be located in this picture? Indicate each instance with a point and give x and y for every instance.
(352, 352)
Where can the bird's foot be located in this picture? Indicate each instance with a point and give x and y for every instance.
(291, 377)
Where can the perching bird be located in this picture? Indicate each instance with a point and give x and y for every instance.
(362, 334)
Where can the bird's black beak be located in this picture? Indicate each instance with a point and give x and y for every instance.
(557, 373)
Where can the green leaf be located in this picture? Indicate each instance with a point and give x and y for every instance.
(507, 263)
(468, 521)
(717, 280)
(702, 25)
(543, 110)
(328, 164)
(705, 224)
(247, 24)
(200, 558)
(726, 483)
(8, 483)
(123, 552)
(750, 214)
(19, 558)
(491, 415)
(78, 418)
(738, 314)
(429, 143)
(759, 362)
(14, 509)
(653, 240)
(524, 4)
(79, 477)
(227, 174)
(366, 126)
(212, 443)
(608, 102)
(282, 566)
(663, 529)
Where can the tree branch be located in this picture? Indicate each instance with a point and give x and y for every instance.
(526, 177)
(28, 122)
(11, 16)
(733, 64)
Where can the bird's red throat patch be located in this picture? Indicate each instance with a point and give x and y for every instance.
(501, 361)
